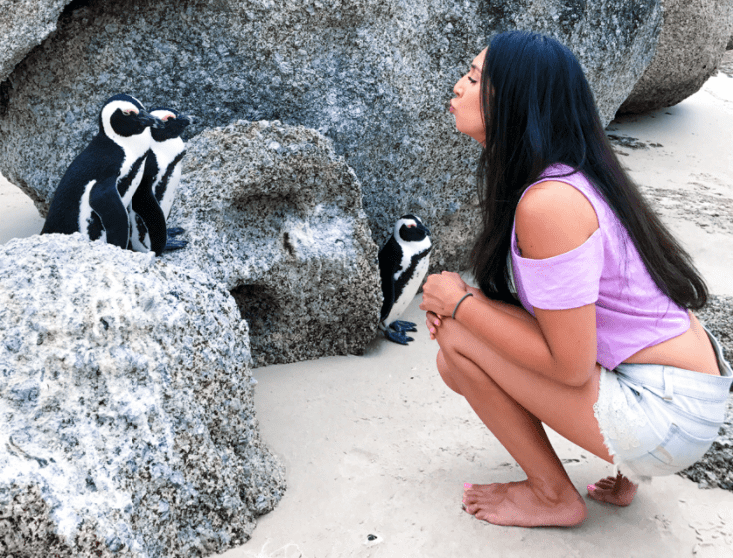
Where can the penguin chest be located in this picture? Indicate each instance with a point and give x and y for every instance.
(128, 182)
(165, 189)
(407, 283)
(168, 155)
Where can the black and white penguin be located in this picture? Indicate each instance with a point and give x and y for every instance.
(94, 193)
(153, 200)
(403, 263)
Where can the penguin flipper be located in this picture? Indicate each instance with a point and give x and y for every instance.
(146, 206)
(388, 265)
(400, 325)
(397, 336)
(105, 201)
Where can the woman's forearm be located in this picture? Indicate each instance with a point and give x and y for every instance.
(505, 307)
(516, 335)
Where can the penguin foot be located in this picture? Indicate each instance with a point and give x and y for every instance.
(397, 336)
(172, 244)
(400, 325)
(175, 231)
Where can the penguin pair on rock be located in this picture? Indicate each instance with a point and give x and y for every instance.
(403, 263)
(120, 188)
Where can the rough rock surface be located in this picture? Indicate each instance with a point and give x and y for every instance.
(692, 41)
(715, 469)
(24, 24)
(127, 423)
(276, 216)
(374, 76)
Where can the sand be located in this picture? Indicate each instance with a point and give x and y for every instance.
(377, 445)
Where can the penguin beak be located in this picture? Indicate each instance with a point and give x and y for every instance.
(150, 120)
(185, 119)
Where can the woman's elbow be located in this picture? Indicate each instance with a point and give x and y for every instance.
(577, 376)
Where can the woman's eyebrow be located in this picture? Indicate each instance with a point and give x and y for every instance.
(475, 67)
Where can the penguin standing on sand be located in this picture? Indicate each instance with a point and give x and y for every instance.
(94, 193)
(153, 200)
(403, 263)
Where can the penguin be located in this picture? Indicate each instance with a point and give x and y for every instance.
(95, 191)
(153, 200)
(403, 263)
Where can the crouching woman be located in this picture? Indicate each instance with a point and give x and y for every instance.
(583, 320)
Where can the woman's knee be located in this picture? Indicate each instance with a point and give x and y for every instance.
(446, 372)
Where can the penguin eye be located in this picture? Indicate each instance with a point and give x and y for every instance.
(411, 226)
(128, 112)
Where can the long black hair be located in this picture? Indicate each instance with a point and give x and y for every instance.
(538, 109)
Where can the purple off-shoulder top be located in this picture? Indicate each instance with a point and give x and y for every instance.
(631, 312)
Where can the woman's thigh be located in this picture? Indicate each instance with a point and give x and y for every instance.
(566, 409)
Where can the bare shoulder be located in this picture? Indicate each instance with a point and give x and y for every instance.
(553, 218)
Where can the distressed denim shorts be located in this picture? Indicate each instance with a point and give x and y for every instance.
(657, 420)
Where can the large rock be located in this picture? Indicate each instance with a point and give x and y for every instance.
(24, 24)
(374, 76)
(127, 422)
(692, 41)
(276, 216)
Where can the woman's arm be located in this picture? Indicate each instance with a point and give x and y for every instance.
(552, 218)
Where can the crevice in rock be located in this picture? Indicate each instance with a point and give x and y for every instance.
(258, 307)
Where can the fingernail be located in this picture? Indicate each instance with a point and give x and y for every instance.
(436, 322)
(467, 485)
(591, 487)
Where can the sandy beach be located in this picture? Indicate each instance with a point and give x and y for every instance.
(378, 445)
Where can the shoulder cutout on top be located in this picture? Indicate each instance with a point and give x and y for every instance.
(553, 218)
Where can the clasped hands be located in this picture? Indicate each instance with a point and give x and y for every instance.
(440, 294)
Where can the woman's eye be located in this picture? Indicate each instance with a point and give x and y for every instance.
(471, 79)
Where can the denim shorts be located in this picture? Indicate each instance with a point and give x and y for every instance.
(658, 420)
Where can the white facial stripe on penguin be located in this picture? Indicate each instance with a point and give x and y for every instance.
(110, 109)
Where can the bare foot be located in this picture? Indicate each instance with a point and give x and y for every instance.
(520, 504)
(615, 490)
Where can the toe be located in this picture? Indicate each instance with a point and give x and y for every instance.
(606, 483)
(471, 508)
(598, 494)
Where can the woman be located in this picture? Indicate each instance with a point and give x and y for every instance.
(604, 348)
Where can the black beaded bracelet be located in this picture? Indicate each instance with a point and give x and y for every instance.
(459, 303)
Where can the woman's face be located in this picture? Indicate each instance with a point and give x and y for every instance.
(466, 106)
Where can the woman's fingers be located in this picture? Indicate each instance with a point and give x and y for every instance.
(433, 322)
